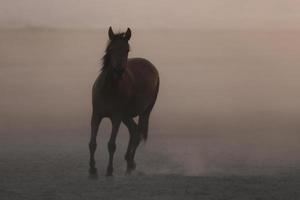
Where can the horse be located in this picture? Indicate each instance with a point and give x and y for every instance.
(125, 88)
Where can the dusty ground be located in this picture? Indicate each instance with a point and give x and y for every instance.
(56, 168)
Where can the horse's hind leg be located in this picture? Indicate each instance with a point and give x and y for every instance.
(132, 128)
(142, 129)
(112, 144)
(93, 143)
(141, 133)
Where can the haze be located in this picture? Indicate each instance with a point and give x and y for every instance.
(155, 14)
(229, 96)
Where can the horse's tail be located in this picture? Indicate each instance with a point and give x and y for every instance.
(143, 127)
(144, 135)
(145, 120)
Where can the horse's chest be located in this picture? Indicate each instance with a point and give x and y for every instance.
(113, 96)
(112, 101)
(116, 98)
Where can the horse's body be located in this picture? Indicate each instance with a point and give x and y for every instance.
(129, 95)
(126, 88)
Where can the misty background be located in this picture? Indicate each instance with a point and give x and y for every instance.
(229, 96)
(156, 14)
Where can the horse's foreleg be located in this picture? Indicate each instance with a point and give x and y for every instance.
(112, 144)
(132, 128)
(93, 143)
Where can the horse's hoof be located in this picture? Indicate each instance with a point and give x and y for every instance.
(128, 171)
(93, 171)
(109, 174)
(131, 166)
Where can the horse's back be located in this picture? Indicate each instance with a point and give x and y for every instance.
(145, 73)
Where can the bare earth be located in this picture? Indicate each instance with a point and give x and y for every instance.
(57, 168)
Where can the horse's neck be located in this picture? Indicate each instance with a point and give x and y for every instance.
(107, 79)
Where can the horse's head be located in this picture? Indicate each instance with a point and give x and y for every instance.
(117, 50)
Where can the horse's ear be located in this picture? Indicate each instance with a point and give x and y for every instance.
(111, 33)
(128, 34)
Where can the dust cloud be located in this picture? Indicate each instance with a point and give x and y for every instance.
(228, 103)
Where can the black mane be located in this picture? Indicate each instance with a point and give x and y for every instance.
(106, 57)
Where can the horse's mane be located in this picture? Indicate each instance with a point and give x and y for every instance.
(106, 57)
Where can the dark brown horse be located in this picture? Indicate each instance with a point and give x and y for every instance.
(126, 88)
